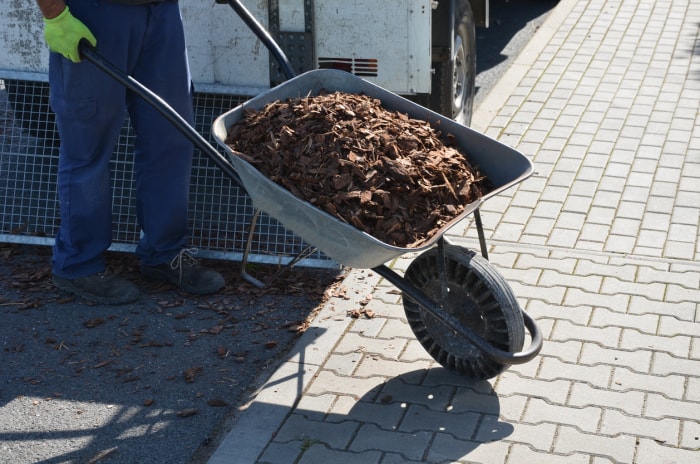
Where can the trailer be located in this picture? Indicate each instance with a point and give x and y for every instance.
(421, 49)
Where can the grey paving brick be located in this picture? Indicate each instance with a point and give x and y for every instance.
(583, 395)
(385, 415)
(665, 364)
(411, 445)
(672, 326)
(645, 322)
(618, 448)
(330, 382)
(511, 383)
(651, 452)
(693, 389)
(446, 448)
(586, 419)
(605, 336)
(343, 364)
(552, 368)
(690, 438)
(315, 407)
(362, 343)
(638, 360)
(300, 429)
(520, 453)
(671, 386)
(660, 407)
(635, 340)
(414, 351)
(590, 283)
(320, 454)
(460, 425)
(538, 436)
(374, 364)
(681, 310)
(567, 351)
(280, 453)
(437, 398)
(616, 422)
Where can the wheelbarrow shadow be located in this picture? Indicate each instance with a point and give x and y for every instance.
(426, 415)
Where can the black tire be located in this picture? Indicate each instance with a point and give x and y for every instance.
(30, 105)
(453, 84)
(479, 297)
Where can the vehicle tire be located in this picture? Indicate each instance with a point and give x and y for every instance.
(30, 105)
(453, 83)
(478, 297)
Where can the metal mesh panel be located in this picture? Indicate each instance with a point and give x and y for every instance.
(220, 212)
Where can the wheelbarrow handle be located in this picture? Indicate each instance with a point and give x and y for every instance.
(264, 36)
(90, 54)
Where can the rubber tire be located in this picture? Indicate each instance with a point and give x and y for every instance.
(454, 81)
(479, 297)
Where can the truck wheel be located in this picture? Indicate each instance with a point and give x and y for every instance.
(478, 297)
(30, 105)
(453, 84)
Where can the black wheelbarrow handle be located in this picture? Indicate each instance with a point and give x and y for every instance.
(91, 55)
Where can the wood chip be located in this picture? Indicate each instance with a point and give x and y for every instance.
(396, 178)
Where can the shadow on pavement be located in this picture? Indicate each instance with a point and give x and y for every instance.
(145, 382)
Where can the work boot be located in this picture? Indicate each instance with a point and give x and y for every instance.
(185, 272)
(101, 288)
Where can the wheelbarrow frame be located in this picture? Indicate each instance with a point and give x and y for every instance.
(435, 309)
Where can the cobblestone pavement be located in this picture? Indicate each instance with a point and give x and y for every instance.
(601, 247)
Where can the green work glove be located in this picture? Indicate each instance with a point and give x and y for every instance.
(63, 34)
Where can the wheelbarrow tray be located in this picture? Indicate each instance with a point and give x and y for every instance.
(340, 241)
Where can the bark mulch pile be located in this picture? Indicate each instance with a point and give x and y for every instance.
(396, 178)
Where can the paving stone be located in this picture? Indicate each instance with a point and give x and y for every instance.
(556, 391)
(460, 425)
(583, 395)
(586, 419)
(665, 364)
(676, 345)
(552, 369)
(539, 437)
(525, 454)
(651, 452)
(618, 448)
(411, 445)
(672, 386)
(638, 360)
(319, 454)
(616, 422)
(684, 311)
(446, 448)
(300, 429)
(660, 407)
(566, 330)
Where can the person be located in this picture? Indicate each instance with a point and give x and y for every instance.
(146, 39)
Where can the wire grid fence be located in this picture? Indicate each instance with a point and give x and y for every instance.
(220, 212)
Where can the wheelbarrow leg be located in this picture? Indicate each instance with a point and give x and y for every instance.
(480, 231)
(305, 253)
(244, 262)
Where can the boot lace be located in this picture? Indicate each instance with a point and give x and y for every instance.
(184, 259)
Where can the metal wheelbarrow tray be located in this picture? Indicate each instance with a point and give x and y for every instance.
(459, 307)
(342, 242)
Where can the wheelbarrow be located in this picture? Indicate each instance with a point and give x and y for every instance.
(459, 307)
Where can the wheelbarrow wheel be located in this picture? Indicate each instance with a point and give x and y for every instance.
(478, 297)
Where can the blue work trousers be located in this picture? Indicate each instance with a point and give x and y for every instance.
(148, 43)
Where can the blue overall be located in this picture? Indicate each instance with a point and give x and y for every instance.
(147, 42)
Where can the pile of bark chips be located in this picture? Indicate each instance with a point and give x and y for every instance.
(394, 177)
